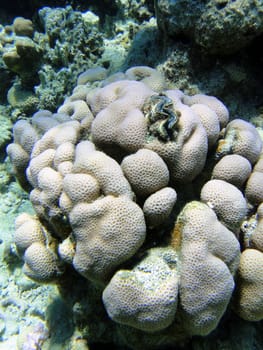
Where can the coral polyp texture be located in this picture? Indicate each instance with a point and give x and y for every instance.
(152, 196)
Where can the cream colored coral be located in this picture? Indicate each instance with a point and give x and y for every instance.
(121, 95)
(96, 213)
(43, 160)
(64, 153)
(227, 201)
(65, 132)
(107, 232)
(186, 156)
(27, 231)
(132, 131)
(232, 168)
(104, 169)
(257, 235)
(250, 285)
(77, 110)
(50, 182)
(81, 188)
(159, 206)
(209, 257)
(212, 102)
(254, 188)
(146, 296)
(65, 168)
(241, 138)
(121, 127)
(55, 147)
(149, 76)
(145, 171)
(34, 243)
(111, 105)
(209, 120)
(41, 263)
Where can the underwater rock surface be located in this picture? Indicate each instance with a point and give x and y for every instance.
(219, 26)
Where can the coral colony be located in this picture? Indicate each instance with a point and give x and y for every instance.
(145, 191)
(140, 205)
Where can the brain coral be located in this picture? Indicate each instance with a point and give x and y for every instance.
(226, 200)
(158, 206)
(250, 303)
(145, 171)
(149, 195)
(28, 231)
(254, 188)
(257, 235)
(146, 297)
(209, 258)
(130, 116)
(241, 138)
(41, 264)
(232, 168)
(107, 232)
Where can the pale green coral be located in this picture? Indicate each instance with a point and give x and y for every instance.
(22, 100)
(6, 130)
(24, 59)
(71, 44)
(49, 63)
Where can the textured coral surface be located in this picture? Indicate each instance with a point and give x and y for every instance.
(131, 195)
(217, 25)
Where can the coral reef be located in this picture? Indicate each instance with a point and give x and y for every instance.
(67, 52)
(129, 194)
(21, 53)
(194, 61)
(219, 26)
(6, 131)
(226, 66)
(47, 54)
(48, 61)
